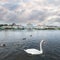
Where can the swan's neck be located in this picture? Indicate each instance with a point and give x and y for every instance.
(41, 46)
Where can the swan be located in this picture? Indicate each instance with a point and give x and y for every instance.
(35, 51)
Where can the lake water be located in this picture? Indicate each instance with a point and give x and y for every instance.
(15, 44)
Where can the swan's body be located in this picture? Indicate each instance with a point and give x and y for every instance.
(35, 51)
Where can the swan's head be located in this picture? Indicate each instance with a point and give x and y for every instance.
(42, 41)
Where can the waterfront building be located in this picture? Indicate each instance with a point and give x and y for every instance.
(29, 26)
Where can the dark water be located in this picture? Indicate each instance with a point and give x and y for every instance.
(15, 44)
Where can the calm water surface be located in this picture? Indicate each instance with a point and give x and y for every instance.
(15, 44)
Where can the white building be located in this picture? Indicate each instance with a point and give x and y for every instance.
(8, 27)
(40, 27)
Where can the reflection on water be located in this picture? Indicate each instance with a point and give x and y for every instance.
(17, 41)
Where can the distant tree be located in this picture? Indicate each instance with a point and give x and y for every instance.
(1, 25)
(5, 24)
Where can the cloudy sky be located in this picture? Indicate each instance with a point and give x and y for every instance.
(30, 11)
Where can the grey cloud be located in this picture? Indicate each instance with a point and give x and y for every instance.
(36, 15)
(10, 6)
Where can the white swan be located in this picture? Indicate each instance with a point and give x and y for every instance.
(35, 51)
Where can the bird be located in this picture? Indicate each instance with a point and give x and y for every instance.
(30, 35)
(35, 51)
(24, 38)
(2, 45)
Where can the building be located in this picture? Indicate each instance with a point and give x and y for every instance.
(39, 27)
(29, 26)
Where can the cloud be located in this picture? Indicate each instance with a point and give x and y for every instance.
(10, 6)
(41, 11)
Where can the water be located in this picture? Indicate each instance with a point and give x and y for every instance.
(15, 44)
